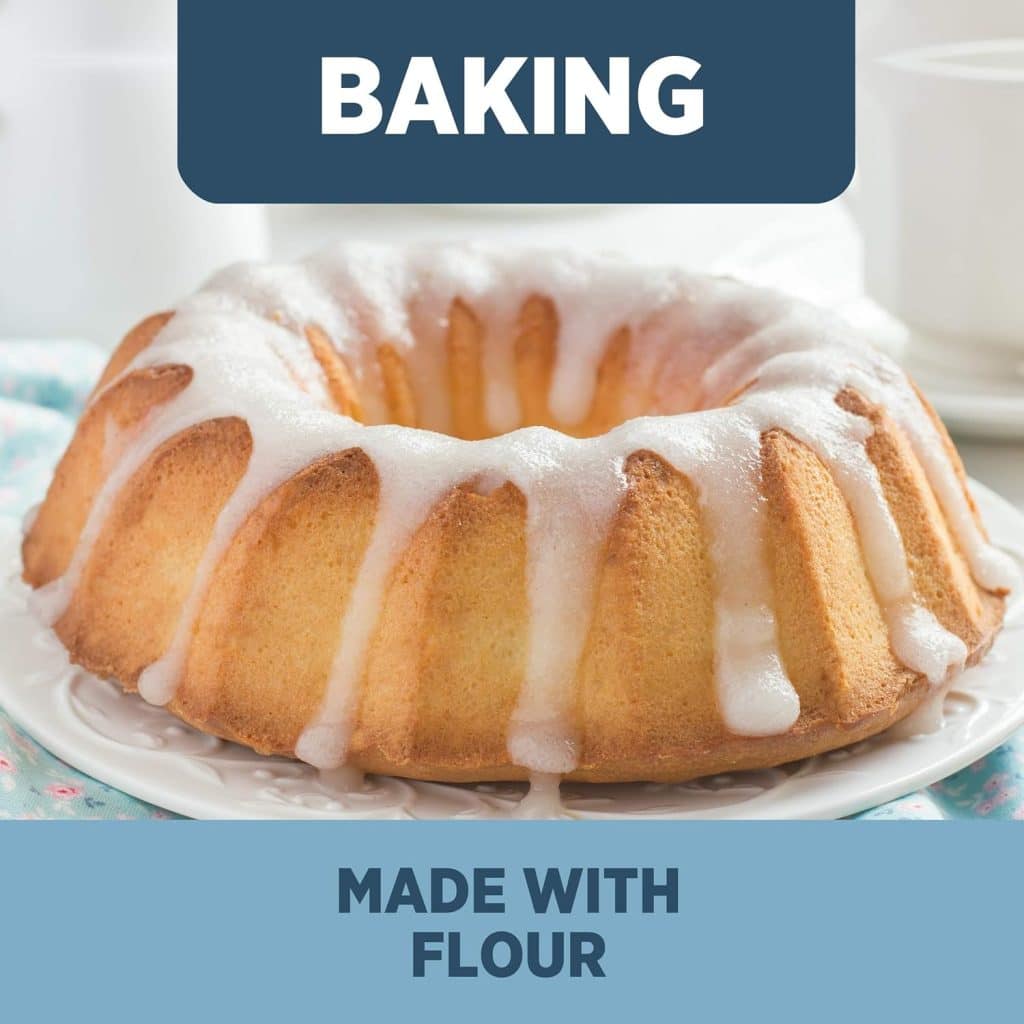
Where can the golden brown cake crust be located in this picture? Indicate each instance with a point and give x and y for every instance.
(447, 658)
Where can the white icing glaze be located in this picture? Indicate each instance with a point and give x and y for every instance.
(543, 800)
(719, 453)
(695, 344)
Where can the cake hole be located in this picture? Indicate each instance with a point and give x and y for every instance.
(398, 391)
(340, 385)
(455, 364)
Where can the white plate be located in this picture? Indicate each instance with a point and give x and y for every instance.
(145, 751)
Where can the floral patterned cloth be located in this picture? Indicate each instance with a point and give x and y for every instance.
(42, 388)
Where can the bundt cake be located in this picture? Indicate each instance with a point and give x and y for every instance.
(458, 514)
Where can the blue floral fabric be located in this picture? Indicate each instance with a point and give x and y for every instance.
(42, 388)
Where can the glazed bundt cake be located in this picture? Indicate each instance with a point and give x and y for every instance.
(454, 514)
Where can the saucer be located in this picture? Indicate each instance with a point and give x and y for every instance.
(984, 401)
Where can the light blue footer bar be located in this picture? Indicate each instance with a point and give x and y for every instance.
(188, 921)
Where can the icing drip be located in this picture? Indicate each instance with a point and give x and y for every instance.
(404, 501)
(695, 344)
(838, 438)
(719, 453)
(882, 382)
(570, 506)
(567, 519)
(922, 644)
(543, 799)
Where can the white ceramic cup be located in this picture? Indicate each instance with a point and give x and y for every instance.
(97, 228)
(940, 195)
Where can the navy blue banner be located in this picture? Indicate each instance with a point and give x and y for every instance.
(479, 921)
(536, 101)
